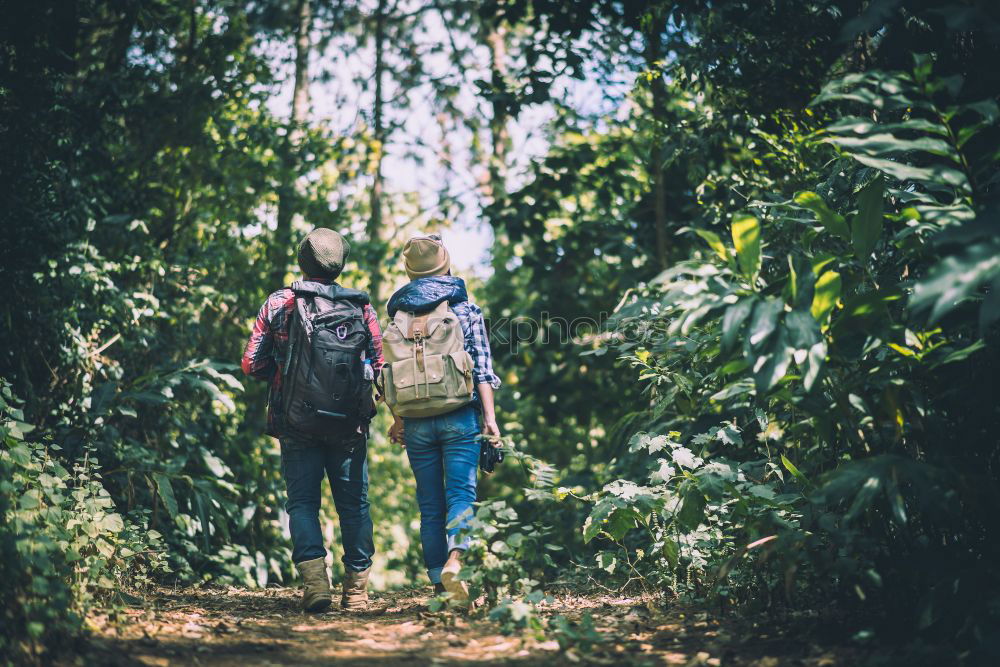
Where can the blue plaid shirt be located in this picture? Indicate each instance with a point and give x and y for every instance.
(477, 343)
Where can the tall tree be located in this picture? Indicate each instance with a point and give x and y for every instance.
(496, 39)
(374, 226)
(653, 55)
(287, 195)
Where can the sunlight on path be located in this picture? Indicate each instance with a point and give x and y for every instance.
(242, 627)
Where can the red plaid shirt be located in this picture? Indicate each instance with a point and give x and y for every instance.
(265, 351)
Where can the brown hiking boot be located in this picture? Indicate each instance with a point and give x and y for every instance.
(355, 597)
(315, 585)
(452, 584)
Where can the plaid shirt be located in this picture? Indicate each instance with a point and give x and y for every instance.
(264, 355)
(477, 343)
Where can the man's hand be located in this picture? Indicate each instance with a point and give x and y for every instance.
(491, 431)
(396, 432)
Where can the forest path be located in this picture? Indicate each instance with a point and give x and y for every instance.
(265, 627)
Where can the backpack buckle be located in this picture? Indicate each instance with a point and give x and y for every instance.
(418, 351)
(418, 327)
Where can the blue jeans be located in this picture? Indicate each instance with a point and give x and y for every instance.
(303, 466)
(444, 456)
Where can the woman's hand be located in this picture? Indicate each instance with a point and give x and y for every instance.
(492, 431)
(396, 432)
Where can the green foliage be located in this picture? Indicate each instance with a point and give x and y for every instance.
(746, 238)
(691, 520)
(827, 393)
(575, 636)
(65, 545)
(845, 341)
(789, 218)
(512, 554)
(37, 600)
(144, 167)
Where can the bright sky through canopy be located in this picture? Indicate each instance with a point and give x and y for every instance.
(413, 168)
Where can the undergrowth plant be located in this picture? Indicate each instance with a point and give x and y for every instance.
(67, 548)
(811, 380)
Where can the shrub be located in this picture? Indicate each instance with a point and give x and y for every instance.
(65, 547)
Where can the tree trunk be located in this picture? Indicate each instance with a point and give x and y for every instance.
(281, 249)
(496, 39)
(660, 213)
(121, 38)
(192, 32)
(303, 47)
(653, 54)
(374, 226)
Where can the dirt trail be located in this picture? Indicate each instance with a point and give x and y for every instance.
(253, 627)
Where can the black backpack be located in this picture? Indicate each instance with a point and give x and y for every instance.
(325, 391)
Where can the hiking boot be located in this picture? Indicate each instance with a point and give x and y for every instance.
(355, 597)
(315, 585)
(452, 584)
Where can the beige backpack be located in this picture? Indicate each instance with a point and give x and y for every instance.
(427, 370)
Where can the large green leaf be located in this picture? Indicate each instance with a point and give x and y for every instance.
(875, 88)
(864, 126)
(764, 321)
(733, 320)
(935, 175)
(866, 227)
(815, 359)
(989, 111)
(796, 473)
(882, 144)
(959, 355)
(622, 520)
(826, 295)
(803, 330)
(201, 506)
(771, 364)
(102, 396)
(692, 510)
(598, 516)
(955, 278)
(746, 238)
(112, 523)
(671, 552)
(833, 222)
(166, 492)
(215, 464)
(738, 388)
(714, 242)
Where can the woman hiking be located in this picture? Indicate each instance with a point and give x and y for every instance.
(439, 383)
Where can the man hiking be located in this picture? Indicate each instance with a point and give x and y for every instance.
(439, 384)
(319, 346)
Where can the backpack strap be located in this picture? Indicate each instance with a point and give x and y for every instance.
(332, 292)
(418, 331)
